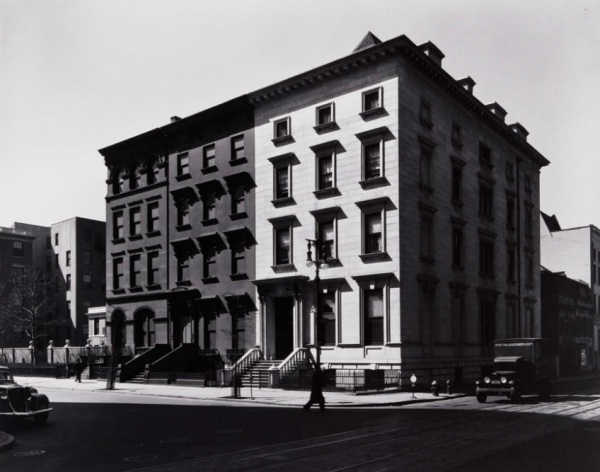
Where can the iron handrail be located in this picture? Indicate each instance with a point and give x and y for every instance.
(291, 362)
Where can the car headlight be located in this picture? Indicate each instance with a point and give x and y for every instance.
(487, 380)
(4, 396)
(33, 392)
(503, 380)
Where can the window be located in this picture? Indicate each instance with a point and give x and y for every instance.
(69, 308)
(68, 281)
(326, 330)
(373, 316)
(56, 239)
(238, 200)
(324, 116)
(486, 258)
(510, 212)
(282, 182)
(153, 217)
(486, 200)
(153, 268)
(510, 171)
(282, 246)
(326, 232)
(372, 154)
(183, 213)
(528, 269)
(135, 221)
(135, 270)
(117, 182)
(87, 281)
(87, 258)
(56, 261)
(457, 246)
(18, 249)
(209, 264)
(457, 139)
(68, 259)
(372, 100)
(426, 246)
(118, 232)
(426, 165)
(425, 114)
(48, 263)
(153, 172)
(183, 164)
(373, 234)
(209, 208)
(237, 148)
(512, 318)
(527, 183)
(511, 255)
(528, 221)
(282, 129)
(48, 242)
(118, 273)
(209, 157)
(183, 268)
(238, 258)
(87, 235)
(325, 173)
(485, 155)
(134, 178)
(487, 317)
(457, 181)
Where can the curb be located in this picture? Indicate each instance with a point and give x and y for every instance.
(6, 441)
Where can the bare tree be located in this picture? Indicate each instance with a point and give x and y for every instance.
(7, 312)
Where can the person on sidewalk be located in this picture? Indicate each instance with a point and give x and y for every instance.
(316, 390)
(78, 369)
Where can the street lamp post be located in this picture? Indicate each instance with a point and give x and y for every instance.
(320, 262)
(235, 385)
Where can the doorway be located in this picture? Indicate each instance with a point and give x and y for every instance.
(283, 312)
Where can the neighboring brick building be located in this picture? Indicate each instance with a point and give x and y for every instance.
(180, 212)
(576, 252)
(568, 319)
(427, 198)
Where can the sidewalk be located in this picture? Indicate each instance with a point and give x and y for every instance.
(264, 396)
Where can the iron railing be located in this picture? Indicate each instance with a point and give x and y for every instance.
(344, 380)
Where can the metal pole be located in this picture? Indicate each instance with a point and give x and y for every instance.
(317, 312)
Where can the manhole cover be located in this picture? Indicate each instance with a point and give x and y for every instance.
(29, 453)
(141, 457)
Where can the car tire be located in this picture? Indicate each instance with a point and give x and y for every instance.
(545, 392)
(42, 404)
(481, 397)
(516, 394)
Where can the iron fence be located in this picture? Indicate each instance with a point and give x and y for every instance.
(344, 380)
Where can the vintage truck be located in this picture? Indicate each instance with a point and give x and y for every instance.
(521, 366)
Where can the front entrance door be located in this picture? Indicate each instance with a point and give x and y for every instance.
(284, 326)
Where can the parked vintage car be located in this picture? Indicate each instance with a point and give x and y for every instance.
(16, 400)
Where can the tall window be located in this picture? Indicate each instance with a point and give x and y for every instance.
(372, 160)
(457, 139)
(373, 233)
(372, 99)
(373, 316)
(135, 221)
(510, 212)
(135, 270)
(426, 114)
(427, 236)
(528, 269)
(238, 200)
(152, 173)
(238, 258)
(68, 259)
(326, 330)
(282, 246)
(68, 281)
(209, 208)
(118, 232)
(18, 249)
(153, 268)
(183, 268)
(486, 200)
(134, 178)
(325, 171)
(485, 155)
(457, 174)
(118, 273)
(487, 318)
(510, 171)
(183, 213)
(153, 217)
(282, 182)
(56, 239)
(327, 236)
(87, 258)
(183, 164)
(237, 148)
(209, 154)
(87, 281)
(511, 275)
(457, 246)
(528, 187)
(426, 167)
(209, 264)
(528, 222)
(117, 183)
(486, 258)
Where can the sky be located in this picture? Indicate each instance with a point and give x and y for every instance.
(79, 75)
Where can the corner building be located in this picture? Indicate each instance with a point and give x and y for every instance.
(180, 232)
(428, 204)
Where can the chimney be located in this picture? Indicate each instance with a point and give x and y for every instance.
(497, 110)
(432, 51)
(519, 130)
(174, 119)
(467, 83)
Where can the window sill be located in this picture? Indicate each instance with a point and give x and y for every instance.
(373, 112)
(280, 268)
(282, 140)
(118, 241)
(152, 287)
(209, 222)
(373, 183)
(118, 291)
(326, 192)
(180, 178)
(136, 289)
(238, 216)
(136, 237)
(210, 280)
(209, 169)
(152, 234)
(286, 201)
(183, 283)
(331, 125)
(375, 257)
(184, 227)
(238, 276)
(238, 162)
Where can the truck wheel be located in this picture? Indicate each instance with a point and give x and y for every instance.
(516, 395)
(481, 397)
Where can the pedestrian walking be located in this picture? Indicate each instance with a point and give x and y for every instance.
(316, 390)
(78, 369)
